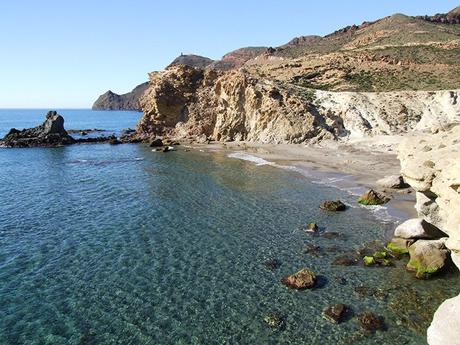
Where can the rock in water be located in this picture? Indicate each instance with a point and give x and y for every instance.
(335, 313)
(418, 228)
(427, 257)
(399, 245)
(393, 182)
(275, 321)
(370, 321)
(312, 227)
(373, 198)
(304, 279)
(50, 133)
(333, 205)
(445, 327)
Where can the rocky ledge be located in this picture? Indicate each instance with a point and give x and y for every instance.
(50, 133)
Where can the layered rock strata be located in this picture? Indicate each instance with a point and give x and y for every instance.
(233, 106)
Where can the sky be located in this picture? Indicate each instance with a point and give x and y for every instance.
(64, 53)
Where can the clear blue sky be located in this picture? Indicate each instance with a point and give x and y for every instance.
(64, 53)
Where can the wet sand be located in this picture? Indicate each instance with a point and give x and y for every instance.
(362, 162)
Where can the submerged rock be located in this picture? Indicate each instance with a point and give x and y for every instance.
(427, 257)
(304, 279)
(272, 264)
(335, 313)
(418, 228)
(49, 134)
(370, 322)
(344, 260)
(371, 197)
(330, 234)
(275, 321)
(330, 205)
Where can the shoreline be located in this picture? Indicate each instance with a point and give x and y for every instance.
(354, 166)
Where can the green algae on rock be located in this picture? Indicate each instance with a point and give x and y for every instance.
(427, 257)
(371, 198)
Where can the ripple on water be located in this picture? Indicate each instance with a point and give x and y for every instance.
(170, 249)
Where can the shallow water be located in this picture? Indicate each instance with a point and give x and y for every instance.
(105, 244)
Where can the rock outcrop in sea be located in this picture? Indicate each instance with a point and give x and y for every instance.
(50, 133)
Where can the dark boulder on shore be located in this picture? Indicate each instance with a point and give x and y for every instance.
(50, 133)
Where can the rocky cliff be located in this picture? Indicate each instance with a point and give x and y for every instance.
(430, 163)
(127, 101)
(235, 106)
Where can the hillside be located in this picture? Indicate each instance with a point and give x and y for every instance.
(127, 101)
(192, 61)
(391, 54)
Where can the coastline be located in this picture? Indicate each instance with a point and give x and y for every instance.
(354, 166)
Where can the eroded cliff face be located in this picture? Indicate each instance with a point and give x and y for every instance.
(227, 106)
(234, 106)
(430, 163)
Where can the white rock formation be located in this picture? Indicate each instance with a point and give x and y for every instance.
(430, 163)
(417, 228)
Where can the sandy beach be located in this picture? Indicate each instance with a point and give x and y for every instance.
(362, 161)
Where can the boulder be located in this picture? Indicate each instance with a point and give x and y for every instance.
(371, 322)
(344, 260)
(304, 279)
(371, 197)
(445, 327)
(272, 264)
(393, 182)
(418, 228)
(312, 227)
(335, 313)
(50, 133)
(427, 257)
(399, 245)
(329, 205)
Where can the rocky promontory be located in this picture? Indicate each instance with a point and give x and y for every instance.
(127, 101)
(50, 133)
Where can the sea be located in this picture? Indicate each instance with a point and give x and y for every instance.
(103, 244)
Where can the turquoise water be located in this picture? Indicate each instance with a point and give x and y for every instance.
(105, 244)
